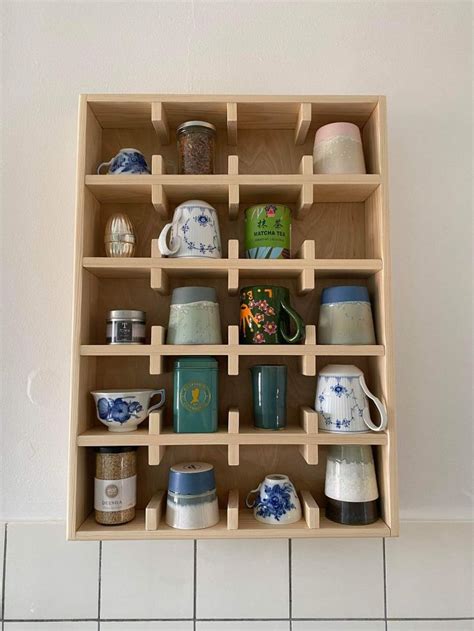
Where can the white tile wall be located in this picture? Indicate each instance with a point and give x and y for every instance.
(243, 579)
(338, 578)
(147, 579)
(2, 548)
(47, 577)
(429, 571)
(244, 585)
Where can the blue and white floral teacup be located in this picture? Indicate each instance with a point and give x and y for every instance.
(124, 410)
(276, 501)
(129, 161)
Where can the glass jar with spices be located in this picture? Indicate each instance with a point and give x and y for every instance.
(115, 485)
(196, 147)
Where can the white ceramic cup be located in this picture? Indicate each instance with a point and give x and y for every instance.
(338, 149)
(194, 232)
(124, 410)
(342, 401)
(276, 501)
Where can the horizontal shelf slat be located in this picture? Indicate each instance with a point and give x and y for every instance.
(215, 188)
(248, 527)
(104, 267)
(267, 350)
(100, 436)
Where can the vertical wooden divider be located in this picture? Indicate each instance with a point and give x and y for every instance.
(156, 359)
(232, 357)
(160, 122)
(309, 422)
(233, 510)
(154, 511)
(233, 428)
(158, 277)
(310, 509)
(233, 272)
(155, 452)
(303, 122)
(308, 362)
(306, 278)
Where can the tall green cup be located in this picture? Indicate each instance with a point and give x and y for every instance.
(268, 232)
(265, 315)
(269, 396)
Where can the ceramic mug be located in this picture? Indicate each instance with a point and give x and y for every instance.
(345, 316)
(126, 161)
(265, 314)
(268, 231)
(276, 501)
(342, 401)
(269, 396)
(338, 149)
(194, 232)
(194, 316)
(124, 410)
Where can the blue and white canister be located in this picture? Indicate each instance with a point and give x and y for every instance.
(192, 498)
(345, 316)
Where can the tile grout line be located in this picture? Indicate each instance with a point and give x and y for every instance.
(384, 558)
(99, 587)
(194, 583)
(4, 572)
(33, 620)
(290, 586)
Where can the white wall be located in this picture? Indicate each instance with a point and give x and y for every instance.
(416, 53)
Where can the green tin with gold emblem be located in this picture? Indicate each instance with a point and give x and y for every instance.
(195, 401)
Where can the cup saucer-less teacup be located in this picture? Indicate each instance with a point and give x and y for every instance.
(124, 410)
(129, 161)
(276, 501)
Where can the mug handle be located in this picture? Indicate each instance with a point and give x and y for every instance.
(164, 249)
(162, 401)
(247, 503)
(380, 408)
(300, 331)
(103, 164)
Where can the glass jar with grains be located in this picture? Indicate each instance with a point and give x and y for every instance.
(115, 485)
(196, 147)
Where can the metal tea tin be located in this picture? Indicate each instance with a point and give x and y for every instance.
(195, 402)
(126, 327)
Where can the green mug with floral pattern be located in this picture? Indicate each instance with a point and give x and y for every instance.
(266, 316)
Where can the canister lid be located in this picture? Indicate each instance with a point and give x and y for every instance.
(119, 237)
(185, 295)
(196, 362)
(191, 478)
(341, 370)
(126, 314)
(341, 293)
(114, 450)
(188, 124)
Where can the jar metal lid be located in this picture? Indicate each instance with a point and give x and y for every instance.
(122, 237)
(114, 450)
(126, 314)
(188, 124)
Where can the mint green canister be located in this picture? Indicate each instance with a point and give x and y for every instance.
(195, 402)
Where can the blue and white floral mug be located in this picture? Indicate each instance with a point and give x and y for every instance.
(124, 410)
(342, 401)
(276, 501)
(194, 232)
(129, 161)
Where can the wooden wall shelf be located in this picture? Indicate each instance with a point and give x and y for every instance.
(339, 236)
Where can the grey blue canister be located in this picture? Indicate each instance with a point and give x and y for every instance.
(195, 400)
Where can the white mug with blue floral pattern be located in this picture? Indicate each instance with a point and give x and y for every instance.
(276, 501)
(342, 401)
(124, 410)
(130, 161)
(194, 232)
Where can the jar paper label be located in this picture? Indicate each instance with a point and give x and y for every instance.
(115, 495)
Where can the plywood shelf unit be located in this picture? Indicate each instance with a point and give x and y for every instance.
(339, 236)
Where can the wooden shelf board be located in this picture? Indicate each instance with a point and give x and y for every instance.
(101, 437)
(248, 528)
(215, 188)
(243, 350)
(104, 267)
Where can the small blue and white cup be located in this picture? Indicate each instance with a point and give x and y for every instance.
(276, 501)
(129, 161)
(124, 410)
